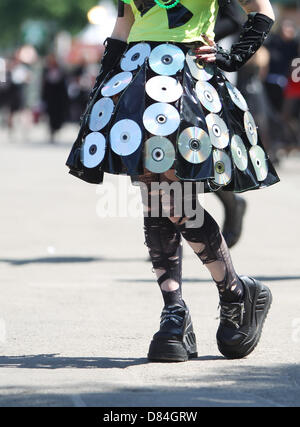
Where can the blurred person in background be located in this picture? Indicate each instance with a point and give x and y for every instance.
(14, 94)
(291, 110)
(283, 47)
(291, 104)
(79, 84)
(3, 95)
(54, 95)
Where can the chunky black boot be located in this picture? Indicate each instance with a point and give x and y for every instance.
(241, 323)
(233, 224)
(175, 341)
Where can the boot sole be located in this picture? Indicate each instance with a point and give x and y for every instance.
(172, 351)
(248, 347)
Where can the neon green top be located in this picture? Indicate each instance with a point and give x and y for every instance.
(183, 23)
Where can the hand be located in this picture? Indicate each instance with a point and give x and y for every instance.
(213, 53)
(206, 53)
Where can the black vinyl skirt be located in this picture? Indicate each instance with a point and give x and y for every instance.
(159, 110)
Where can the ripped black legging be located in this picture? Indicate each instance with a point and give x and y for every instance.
(164, 227)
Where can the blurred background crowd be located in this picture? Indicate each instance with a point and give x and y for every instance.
(50, 52)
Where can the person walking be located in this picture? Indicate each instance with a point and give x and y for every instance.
(163, 112)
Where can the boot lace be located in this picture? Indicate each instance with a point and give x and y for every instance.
(175, 313)
(232, 314)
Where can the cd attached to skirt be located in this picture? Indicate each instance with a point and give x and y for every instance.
(194, 145)
(159, 154)
(164, 89)
(101, 114)
(135, 57)
(125, 137)
(250, 128)
(199, 71)
(218, 131)
(259, 162)
(239, 153)
(208, 97)
(93, 150)
(166, 59)
(222, 167)
(236, 97)
(117, 83)
(161, 119)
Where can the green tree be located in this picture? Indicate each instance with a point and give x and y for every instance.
(69, 15)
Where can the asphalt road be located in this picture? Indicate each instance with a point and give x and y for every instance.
(79, 303)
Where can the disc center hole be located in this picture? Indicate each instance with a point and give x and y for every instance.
(167, 59)
(216, 130)
(157, 154)
(208, 96)
(194, 144)
(220, 168)
(93, 149)
(199, 64)
(161, 119)
(135, 57)
(125, 137)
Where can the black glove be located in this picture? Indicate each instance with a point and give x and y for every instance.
(114, 49)
(253, 34)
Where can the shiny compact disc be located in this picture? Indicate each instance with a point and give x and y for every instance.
(159, 154)
(164, 89)
(135, 56)
(166, 59)
(208, 97)
(101, 114)
(125, 137)
(93, 150)
(218, 131)
(117, 83)
(222, 167)
(259, 162)
(199, 70)
(239, 153)
(236, 96)
(194, 145)
(161, 119)
(250, 128)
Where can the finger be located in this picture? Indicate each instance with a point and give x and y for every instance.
(205, 52)
(205, 49)
(206, 55)
(211, 59)
(208, 40)
(207, 58)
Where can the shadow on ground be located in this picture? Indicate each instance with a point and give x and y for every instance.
(54, 361)
(90, 259)
(64, 260)
(242, 385)
(196, 279)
